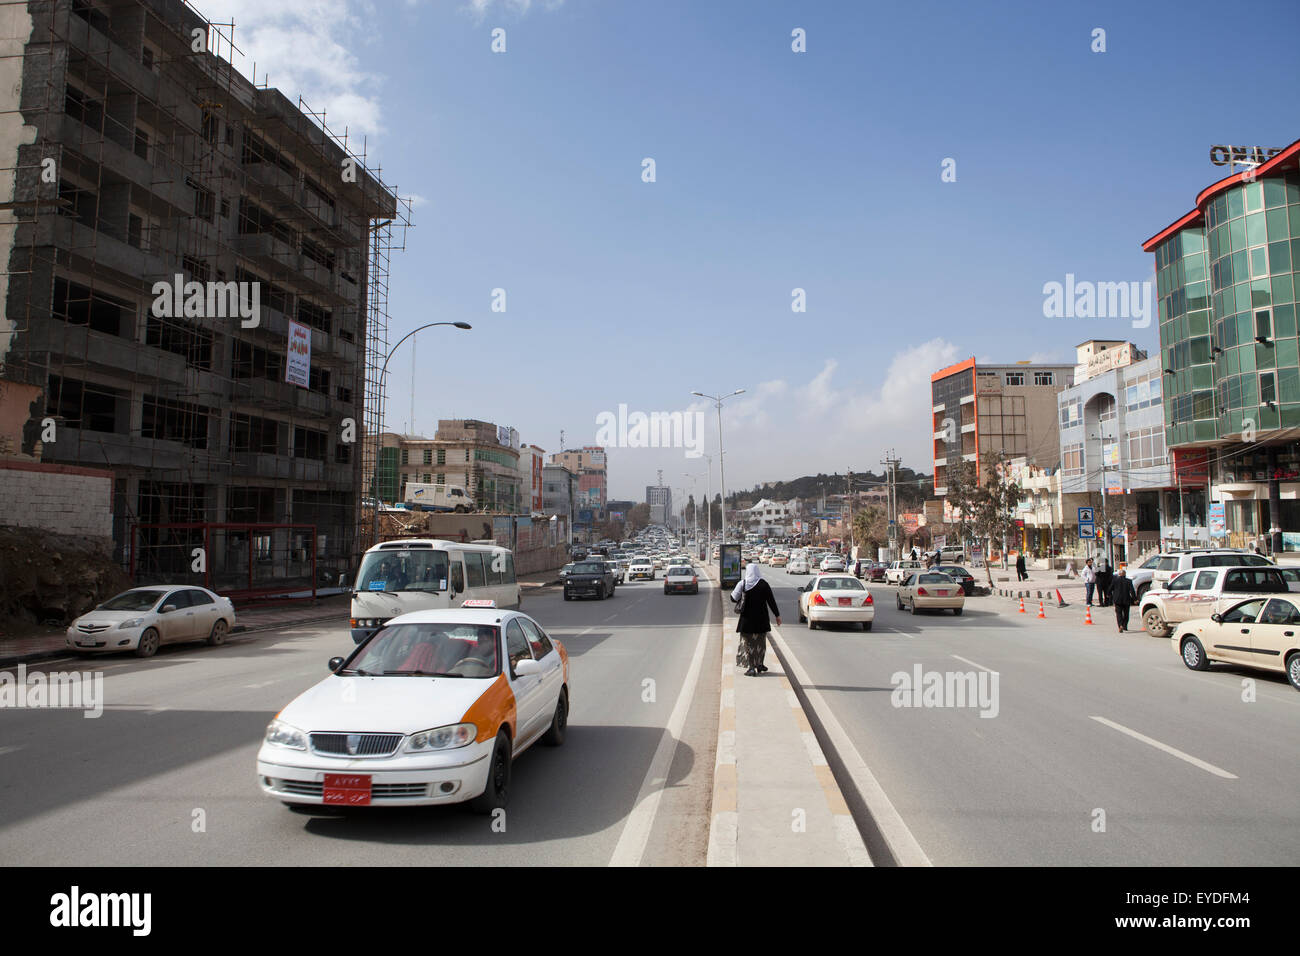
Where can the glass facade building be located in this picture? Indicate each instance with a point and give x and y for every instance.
(1226, 280)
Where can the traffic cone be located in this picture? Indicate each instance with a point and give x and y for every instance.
(1041, 613)
(1087, 618)
(1022, 604)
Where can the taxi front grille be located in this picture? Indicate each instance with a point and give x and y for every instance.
(355, 745)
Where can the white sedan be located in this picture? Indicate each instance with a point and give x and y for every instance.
(143, 619)
(797, 566)
(832, 562)
(834, 599)
(433, 708)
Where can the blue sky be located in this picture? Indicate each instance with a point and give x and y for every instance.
(775, 170)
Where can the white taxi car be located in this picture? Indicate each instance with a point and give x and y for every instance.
(1261, 632)
(836, 598)
(433, 708)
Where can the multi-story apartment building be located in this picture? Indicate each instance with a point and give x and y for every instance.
(532, 459)
(479, 456)
(1227, 286)
(660, 500)
(559, 491)
(186, 265)
(589, 464)
(1007, 409)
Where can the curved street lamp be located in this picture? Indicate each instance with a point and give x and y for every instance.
(383, 372)
(717, 400)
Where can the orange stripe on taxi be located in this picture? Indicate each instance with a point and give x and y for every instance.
(495, 708)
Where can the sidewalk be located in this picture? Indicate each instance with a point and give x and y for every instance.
(775, 801)
(50, 642)
(43, 643)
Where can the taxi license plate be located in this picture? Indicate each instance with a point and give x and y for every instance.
(347, 789)
(846, 602)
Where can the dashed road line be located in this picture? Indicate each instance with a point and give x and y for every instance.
(1172, 751)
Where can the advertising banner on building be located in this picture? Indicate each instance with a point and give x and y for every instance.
(1114, 483)
(1192, 467)
(1218, 520)
(297, 367)
(910, 522)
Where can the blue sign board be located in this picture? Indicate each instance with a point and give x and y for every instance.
(1087, 529)
(1085, 516)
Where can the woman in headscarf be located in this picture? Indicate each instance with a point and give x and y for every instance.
(756, 597)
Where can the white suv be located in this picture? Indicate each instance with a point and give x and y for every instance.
(1157, 570)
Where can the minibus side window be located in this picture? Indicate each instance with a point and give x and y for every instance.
(495, 568)
(510, 568)
(457, 577)
(474, 576)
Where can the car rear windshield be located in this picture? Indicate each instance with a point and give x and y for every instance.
(935, 579)
(839, 584)
(437, 650)
(681, 570)
(133, 601)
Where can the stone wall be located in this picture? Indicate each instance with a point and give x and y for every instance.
(57, 498)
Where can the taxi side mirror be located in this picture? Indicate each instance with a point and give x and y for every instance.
(336, 663)
(1216, 618)
(527, 668)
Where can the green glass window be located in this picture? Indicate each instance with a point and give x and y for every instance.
(1274, 192)
(1234, 204)
(1255, 231)
(1260, 292)
(1259, 261)
(1284, 320)
(1254, 196)
(1288, 382)
(1265, 355)
(1237, 235)
(1280, 289)
(1246, 356)
(1279, 256)
(1267, 388)
(1277, 227)
(1287, 355)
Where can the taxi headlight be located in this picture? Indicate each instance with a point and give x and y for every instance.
(283, 735)
(441, 738)
(134, 622)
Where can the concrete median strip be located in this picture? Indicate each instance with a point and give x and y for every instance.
(775, 800)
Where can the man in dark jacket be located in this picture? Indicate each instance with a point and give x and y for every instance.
(1105, 577)
(1021, 573)
(753, 623)
(1123, 597)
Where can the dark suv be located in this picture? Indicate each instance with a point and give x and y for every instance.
(589, 579)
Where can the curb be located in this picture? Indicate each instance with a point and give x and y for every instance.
(887, 838)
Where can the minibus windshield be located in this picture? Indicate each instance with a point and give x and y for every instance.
(403, 570)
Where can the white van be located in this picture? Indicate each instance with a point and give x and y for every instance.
(421, 574)
(427, 496)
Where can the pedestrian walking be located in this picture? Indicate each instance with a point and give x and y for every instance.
(1021, 573)
(1123, 597)
(1089, 581)
(1104, 578)
(753, 597)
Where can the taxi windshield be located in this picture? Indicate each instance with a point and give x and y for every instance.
(430, 650)
(405, 569)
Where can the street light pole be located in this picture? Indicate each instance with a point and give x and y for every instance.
(383, 372)
(722, 465)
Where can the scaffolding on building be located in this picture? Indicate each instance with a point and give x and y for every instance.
(168, 161)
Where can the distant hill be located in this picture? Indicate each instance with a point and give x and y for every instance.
(913, 487)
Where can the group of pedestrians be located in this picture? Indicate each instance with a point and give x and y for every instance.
(1112, 589)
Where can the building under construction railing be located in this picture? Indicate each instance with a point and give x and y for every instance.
(194, 281)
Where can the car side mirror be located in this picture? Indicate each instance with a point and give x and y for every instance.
(1216, 618)
(336, 663)
(167, 609)
(527, 668)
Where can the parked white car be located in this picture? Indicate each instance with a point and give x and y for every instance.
(143, 619)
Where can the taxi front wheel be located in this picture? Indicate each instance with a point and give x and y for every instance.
(559, 722)
(497, 791)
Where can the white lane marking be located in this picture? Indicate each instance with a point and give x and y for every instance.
(898, 837)
(265, 683)
(636, 832)
(973, 664)
(9, 750)
(1172, 751)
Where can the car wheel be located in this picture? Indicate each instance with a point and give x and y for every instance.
(1142, 589)
(559, 721)
(497, 791)
(148, 645)
(956, 612)
(802, 619)
(219, 631)
(812, 625)
(1154, 623)
(899, 599)
(1293, 670)
(1194, 656)
(866, 625)
(911, 608)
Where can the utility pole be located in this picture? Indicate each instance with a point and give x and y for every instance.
(848, 521)
(891, 463)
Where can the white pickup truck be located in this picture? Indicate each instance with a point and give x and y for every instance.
(1204, 591)
(900, 571)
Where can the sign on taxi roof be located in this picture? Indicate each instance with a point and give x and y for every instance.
(479, 602)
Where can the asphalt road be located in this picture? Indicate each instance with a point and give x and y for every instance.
(166, 776)
(1034, 784)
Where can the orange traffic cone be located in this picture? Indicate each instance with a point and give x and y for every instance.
(1087, 618)
(1041, 612)
(1022, 605)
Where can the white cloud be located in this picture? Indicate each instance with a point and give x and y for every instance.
(480, 8)
(304, 48)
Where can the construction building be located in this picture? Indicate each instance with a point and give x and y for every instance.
(194, 291)
(480, 457)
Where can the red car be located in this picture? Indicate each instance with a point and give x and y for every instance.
(874, 571)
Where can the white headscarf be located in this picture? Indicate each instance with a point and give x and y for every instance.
(752, 577)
